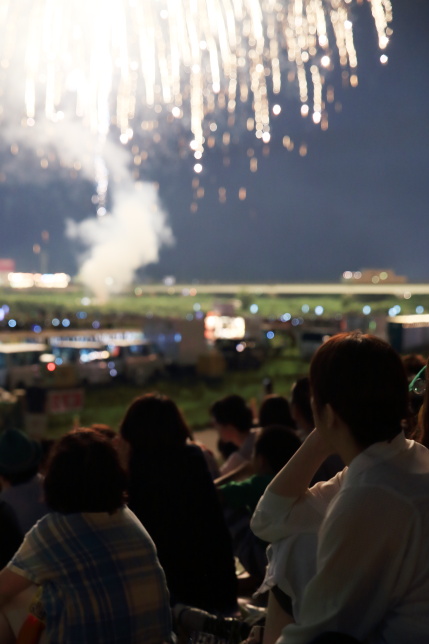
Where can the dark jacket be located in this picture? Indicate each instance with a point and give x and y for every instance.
(10, 534)
(173, 495)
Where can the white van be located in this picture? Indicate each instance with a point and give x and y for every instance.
(21, 365)
(135, 360)
(90, 360)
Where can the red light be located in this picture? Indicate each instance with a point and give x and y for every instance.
(51, 366)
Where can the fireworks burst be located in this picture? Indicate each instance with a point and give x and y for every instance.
(78, 78)
(110, 61)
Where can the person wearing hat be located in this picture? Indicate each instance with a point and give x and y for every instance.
(19, 478)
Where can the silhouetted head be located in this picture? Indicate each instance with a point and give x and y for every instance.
(301, 403)
(232, 410)
(276, 444)
(84, 474)
(154, 422)
(275, 410)
(364, 381)
(20, 456)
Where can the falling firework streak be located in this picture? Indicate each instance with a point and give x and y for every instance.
(107, 61)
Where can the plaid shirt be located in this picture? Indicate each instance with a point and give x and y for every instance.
(101, 579)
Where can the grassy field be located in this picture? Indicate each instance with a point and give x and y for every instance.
(193, 395)
(39, 306)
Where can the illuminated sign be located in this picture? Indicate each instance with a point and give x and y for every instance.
(47, 280)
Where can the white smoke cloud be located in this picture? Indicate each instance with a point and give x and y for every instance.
(121, 242)
(48, 53)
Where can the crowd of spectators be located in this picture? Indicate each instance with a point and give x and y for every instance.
(315, 513)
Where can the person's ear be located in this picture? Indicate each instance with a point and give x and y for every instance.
(331, 416)
(333, 419)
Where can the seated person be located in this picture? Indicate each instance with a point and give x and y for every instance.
(233, 420)
(275, 410)
(21, 483)
(171, 491)
(274, 446)
(370, 521)
(97, 566)
(300, 407)
(414, 367)
(419, 388)
(303, 415)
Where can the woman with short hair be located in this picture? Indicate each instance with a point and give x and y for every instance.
(370, 523)
(97, 566)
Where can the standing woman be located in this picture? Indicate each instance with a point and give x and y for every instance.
(171, 491)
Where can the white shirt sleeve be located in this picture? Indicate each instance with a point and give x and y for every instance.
(277, 517)
(231, 463)
(367, 556)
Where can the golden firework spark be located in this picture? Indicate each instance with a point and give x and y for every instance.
(107, 60)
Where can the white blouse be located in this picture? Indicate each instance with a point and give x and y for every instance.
(371, 524)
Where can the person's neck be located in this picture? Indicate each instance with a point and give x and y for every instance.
(347, 448)
(349, 453)
(341, 438)
(240, 438)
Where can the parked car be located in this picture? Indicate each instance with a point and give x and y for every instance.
(135, 361)
(242, 354)
(20, 364)
(90, 360)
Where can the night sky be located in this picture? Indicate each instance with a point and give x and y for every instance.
(358, 199)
